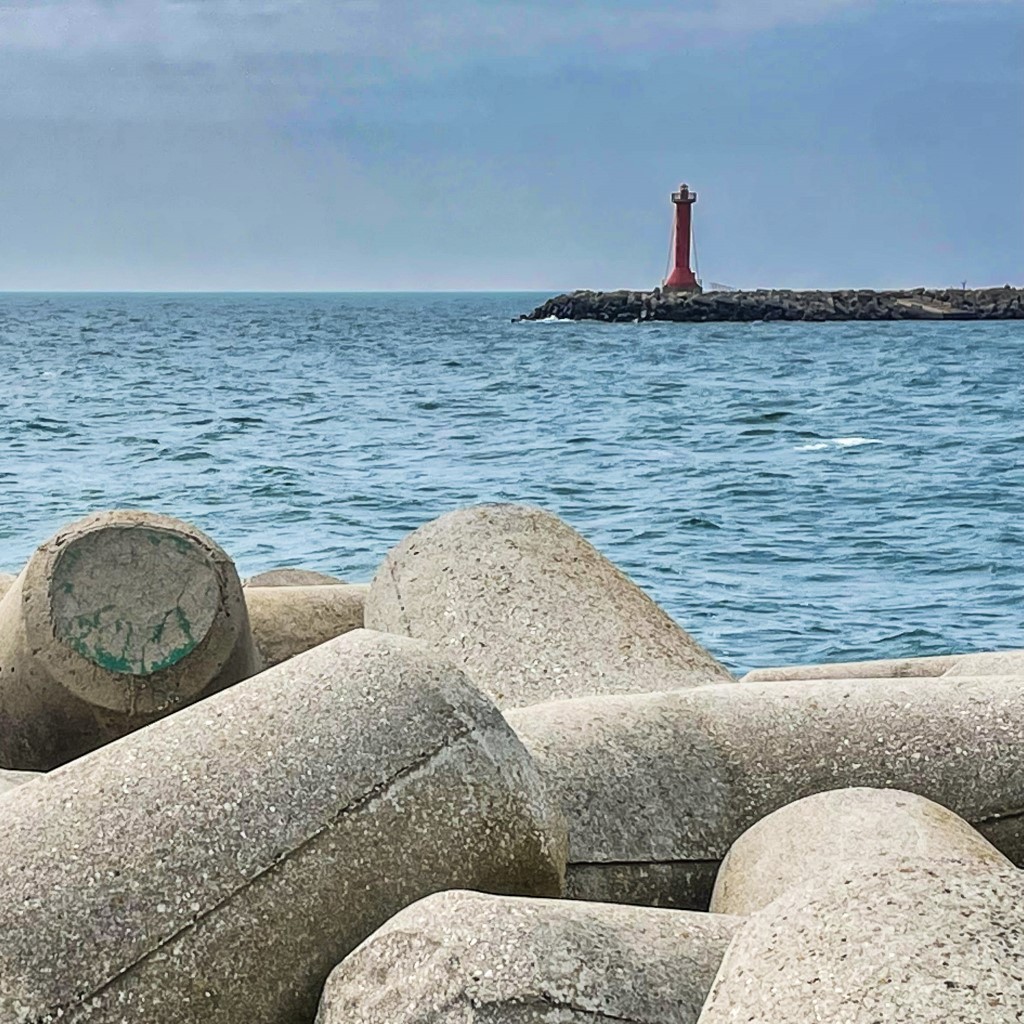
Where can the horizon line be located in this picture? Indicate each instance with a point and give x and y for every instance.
(286, 291)
(468, 291)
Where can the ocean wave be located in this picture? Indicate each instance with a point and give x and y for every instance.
(853, 442)
(837, 442)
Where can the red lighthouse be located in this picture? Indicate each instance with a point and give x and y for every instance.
(682, 278)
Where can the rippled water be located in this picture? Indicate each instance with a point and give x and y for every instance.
(789, 492)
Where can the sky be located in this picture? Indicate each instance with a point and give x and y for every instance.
(348, 145)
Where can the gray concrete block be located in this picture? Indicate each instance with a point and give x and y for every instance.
(883, 668)
(117, 620)
(657, 787)
(216, 865)
(981, 664)
(818, 834)
(899, 942)
(289, 577)
(531, 610)
(466, 958)
(287, 620)
(988, 663)
(12, 780)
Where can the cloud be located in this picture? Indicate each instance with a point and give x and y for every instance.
(230, 59)
(216, 29)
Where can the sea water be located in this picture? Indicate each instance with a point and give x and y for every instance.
(788, 492)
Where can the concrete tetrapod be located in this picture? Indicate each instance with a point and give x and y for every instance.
(466, 958)
(6, 582)
(289, 620)
(988, 663)
(883, 668)
(12, 780)
(531, 610)
(819, 833)
(657, 787)
(216, 865)
(898, 942)
(117, 620)
(288, 577)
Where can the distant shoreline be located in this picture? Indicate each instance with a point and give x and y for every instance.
(1005, 303)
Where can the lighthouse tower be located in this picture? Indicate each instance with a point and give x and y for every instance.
(681, 278)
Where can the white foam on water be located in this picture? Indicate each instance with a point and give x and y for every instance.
(838, 442)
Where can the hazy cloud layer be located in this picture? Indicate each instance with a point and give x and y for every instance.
(521, 143)
(229, 59)
(213, 29)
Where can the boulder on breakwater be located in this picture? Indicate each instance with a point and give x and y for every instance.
(1004, 303)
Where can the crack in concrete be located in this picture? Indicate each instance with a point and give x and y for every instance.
(677, 862)
(403, 775)
(539, 999)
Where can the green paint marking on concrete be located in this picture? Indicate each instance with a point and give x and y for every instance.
(102, 657)
(179, 652)
(184, 545)
(173, 658)
(158, 630)
(123, 663)
(127, 626)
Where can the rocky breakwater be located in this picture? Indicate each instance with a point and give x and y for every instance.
(1005, 303)
(379, 826)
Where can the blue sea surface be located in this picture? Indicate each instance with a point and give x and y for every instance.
(788, 492)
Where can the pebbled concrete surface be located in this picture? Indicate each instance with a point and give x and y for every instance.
(218, 864)
(467, 958)
(531, 610)
(905, 942)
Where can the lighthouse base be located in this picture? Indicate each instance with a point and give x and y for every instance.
(682, 280)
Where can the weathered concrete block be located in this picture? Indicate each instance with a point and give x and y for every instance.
(1001, 663)
(892, 943)
(531, 610)
(884, 668)
(289, 577)
(117, 620)
(818, 834)
(217, 865)
(11, 780)
(988, 663)
(657, 787)
(287, 620)
(6, 582)
(461, 957)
